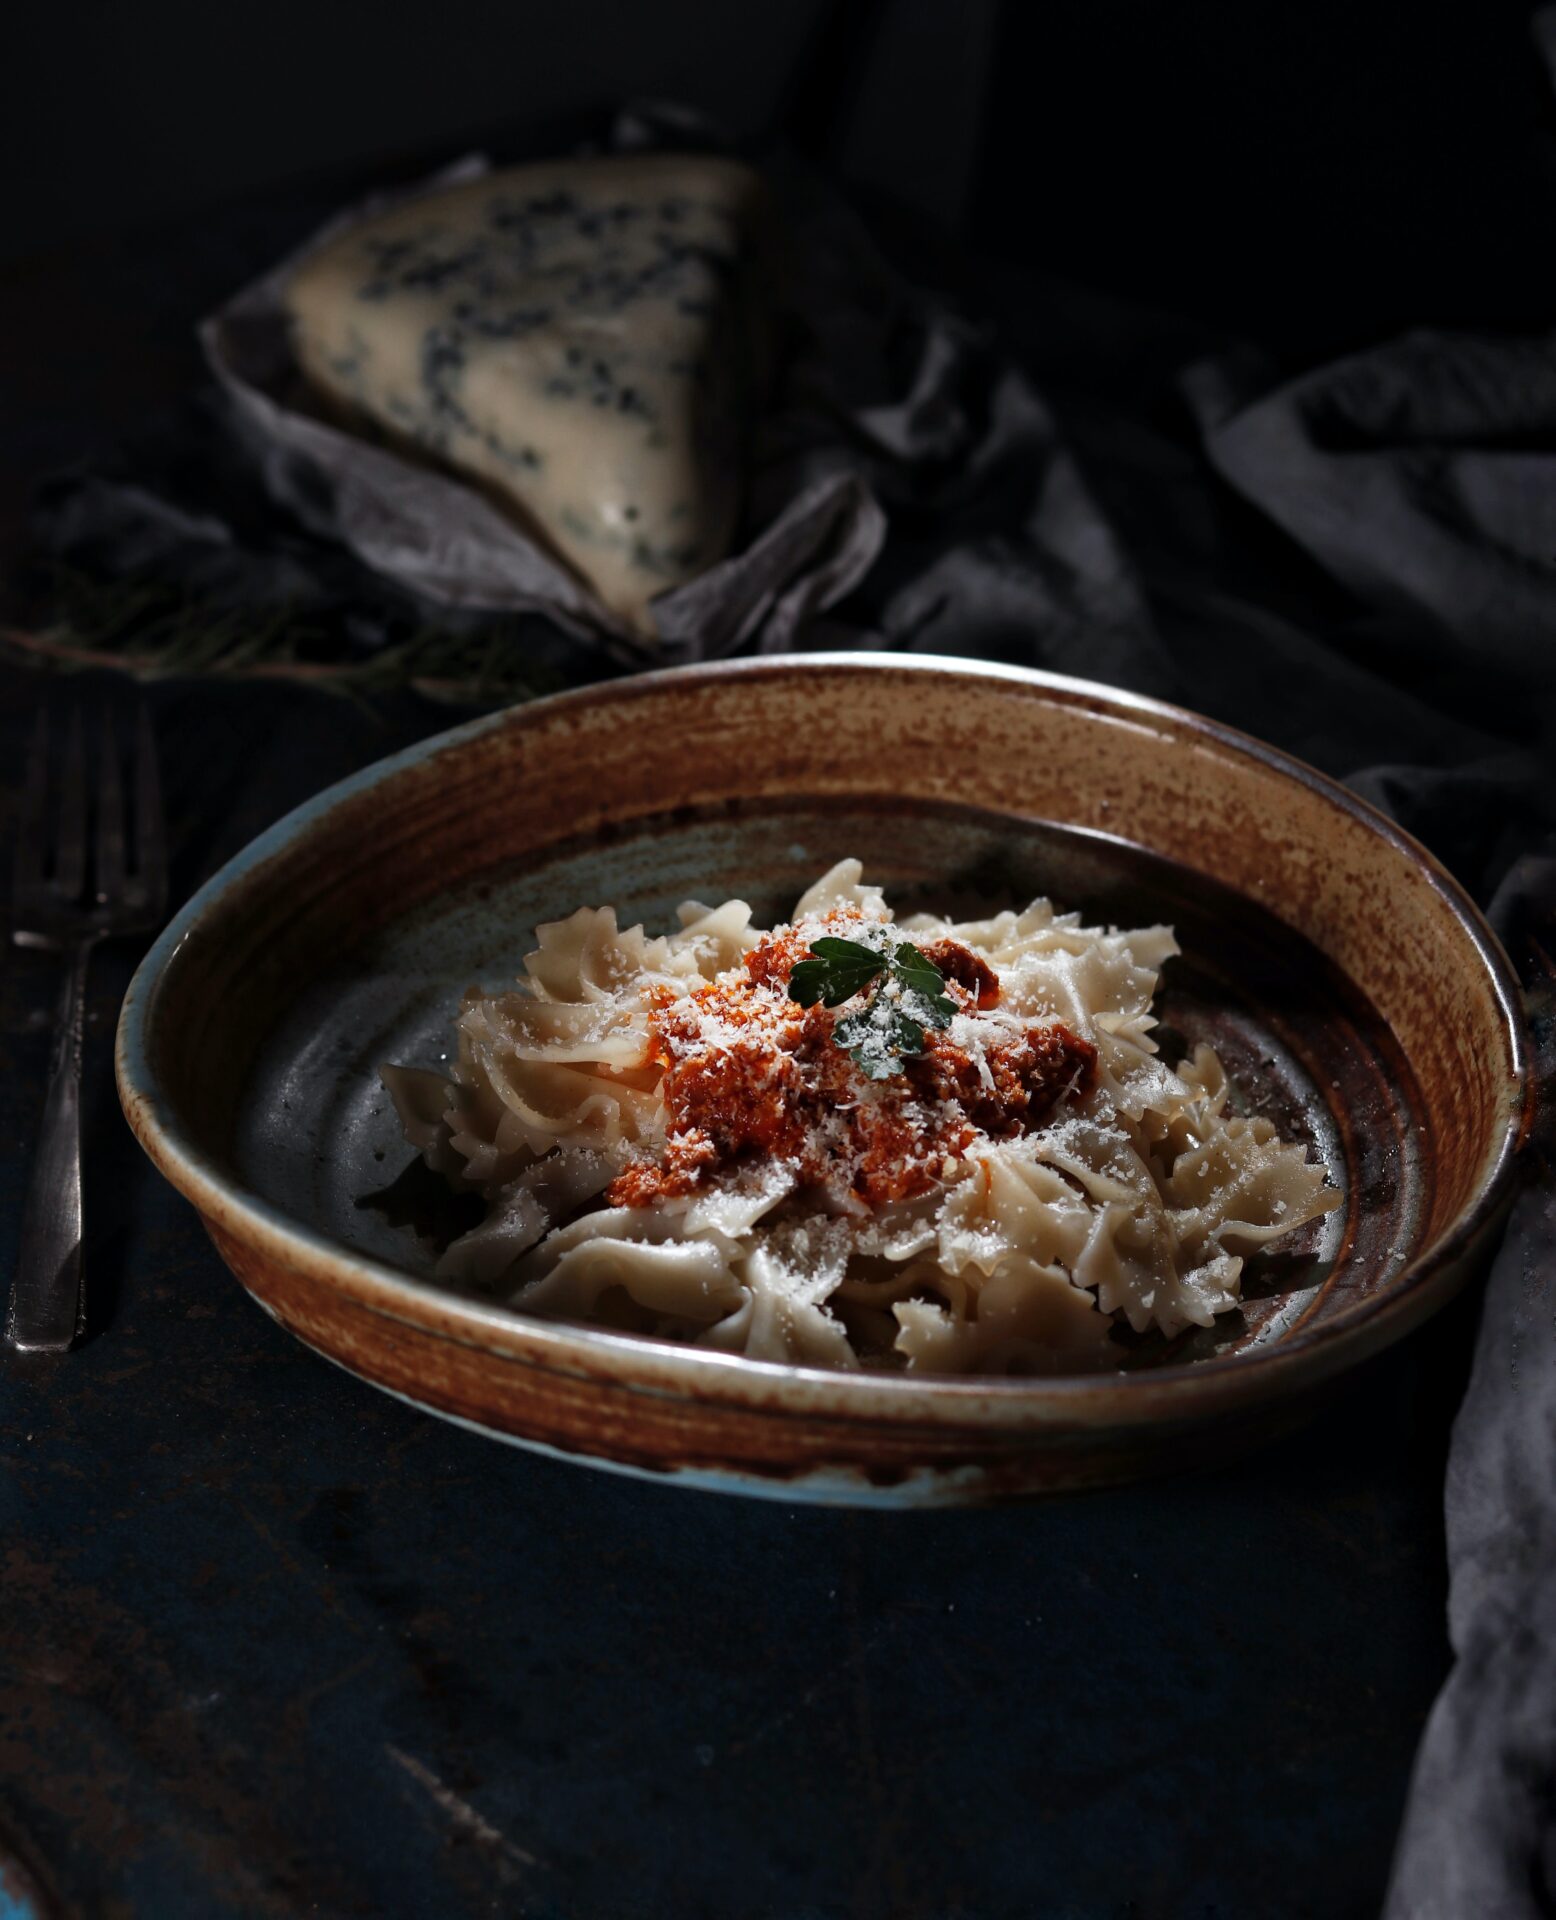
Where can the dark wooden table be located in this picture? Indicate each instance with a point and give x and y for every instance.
(274, 1644)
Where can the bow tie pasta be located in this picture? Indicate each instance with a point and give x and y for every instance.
(846, 1141)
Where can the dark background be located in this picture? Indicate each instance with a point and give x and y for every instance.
(1316, 173)
(256, 1619)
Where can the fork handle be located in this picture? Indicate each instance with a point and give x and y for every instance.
(45, 1308)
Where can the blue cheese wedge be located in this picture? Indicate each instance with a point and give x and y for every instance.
(580, 337)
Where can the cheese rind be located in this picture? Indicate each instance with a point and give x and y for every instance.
(578, 336)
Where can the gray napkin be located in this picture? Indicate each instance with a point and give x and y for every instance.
(1421, 477)
(1480, 1829)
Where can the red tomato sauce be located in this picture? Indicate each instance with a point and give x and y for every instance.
(749, 1074)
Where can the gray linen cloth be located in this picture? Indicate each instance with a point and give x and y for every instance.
(1421, 477)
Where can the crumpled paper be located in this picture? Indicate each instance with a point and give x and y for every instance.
(447, 543)
(907, 481)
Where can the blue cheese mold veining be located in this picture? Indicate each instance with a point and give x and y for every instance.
(582, 337)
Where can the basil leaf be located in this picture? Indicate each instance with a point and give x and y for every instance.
(854, 1028)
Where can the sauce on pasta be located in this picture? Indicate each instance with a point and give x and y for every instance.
(749, 1073)
(670, 1142)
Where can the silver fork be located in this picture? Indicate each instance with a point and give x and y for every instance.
(66, 902)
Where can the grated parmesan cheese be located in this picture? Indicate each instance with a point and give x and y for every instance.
(748, 1071)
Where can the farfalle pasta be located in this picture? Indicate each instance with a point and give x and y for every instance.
(957, 1151)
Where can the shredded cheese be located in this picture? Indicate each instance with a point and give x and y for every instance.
(747, 1072)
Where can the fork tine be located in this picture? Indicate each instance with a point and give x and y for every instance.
(30, 830)
(150, 832)
(70, 847)
(109, 851)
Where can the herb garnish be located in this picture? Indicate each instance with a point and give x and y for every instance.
(907, 996)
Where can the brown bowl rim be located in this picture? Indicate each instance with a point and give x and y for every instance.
(1218, 1382)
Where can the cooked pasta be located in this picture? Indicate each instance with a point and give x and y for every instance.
(845, 1141)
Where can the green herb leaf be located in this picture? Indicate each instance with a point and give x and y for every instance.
(832, 948)
(890, 1025)
(809, 981)
(843, 986)
(834, 971)
(916, 969)
(877, 1037)
(836, 949)
(924, 979)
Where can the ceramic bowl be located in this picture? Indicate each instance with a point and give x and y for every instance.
(1352, 989)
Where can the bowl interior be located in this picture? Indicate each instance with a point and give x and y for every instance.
(315, 1134)
(347, 939)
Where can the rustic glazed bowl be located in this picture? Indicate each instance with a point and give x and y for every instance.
(1352, 989)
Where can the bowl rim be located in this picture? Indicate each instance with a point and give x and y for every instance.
(661, 1366)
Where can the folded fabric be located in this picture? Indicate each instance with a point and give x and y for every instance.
(1478, 1836)
(1422, 476)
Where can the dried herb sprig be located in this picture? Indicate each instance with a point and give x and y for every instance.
(155, 631)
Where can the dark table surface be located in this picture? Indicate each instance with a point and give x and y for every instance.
(272, 1643)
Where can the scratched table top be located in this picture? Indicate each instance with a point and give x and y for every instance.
(272, 1643)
